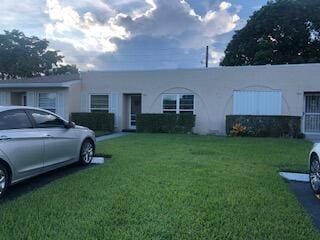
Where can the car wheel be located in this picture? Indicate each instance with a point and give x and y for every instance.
(4, 180)
(315, 173)
(86, 152)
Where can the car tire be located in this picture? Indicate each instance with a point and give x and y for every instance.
(314, 174)
(4, 180)
(86, 152)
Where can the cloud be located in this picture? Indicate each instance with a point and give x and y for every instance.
(216, 57)
(176, 19)
(94, 34)
(225, 5)
(84, 32)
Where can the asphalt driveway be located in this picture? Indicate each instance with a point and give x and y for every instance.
(39, 181)
(307, 199)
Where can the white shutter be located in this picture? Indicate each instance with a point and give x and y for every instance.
(85, 102)
(4, 99)
(257, 103)
(60, 105)
(114, 106)
(245, 103)
(31, 99)
(270, 103)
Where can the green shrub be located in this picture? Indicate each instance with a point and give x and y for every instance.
(265, 126)
(94, 121)
(165, 123)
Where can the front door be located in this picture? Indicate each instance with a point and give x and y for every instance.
(312, 113)
(134, 109)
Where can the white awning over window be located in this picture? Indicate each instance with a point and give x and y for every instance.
(257, 102)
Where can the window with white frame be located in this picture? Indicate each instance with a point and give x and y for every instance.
(178, 103)
(48, 101)
(99, 103)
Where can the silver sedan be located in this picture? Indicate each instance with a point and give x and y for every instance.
(34, 141)
(314, 167)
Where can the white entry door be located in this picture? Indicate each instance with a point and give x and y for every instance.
(312, 113)
(134, 109)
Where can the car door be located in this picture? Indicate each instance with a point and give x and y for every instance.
(21, 143)
(61, 143)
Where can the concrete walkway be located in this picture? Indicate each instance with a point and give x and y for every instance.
(299, 177)
(111, 136)
(315, 138)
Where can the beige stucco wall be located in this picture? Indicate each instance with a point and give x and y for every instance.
(73, 99)
(213, 89)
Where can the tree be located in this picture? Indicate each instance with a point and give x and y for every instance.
(282, 32)
(22, 56)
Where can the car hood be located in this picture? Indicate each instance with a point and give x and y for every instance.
(316, 145)
(81, 127)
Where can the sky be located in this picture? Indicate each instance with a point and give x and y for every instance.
(131, 34)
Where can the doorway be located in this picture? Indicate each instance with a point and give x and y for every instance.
(312, 113)
(19, 98)
(134, 109)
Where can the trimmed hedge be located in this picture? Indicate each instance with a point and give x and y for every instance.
(165, 123)
(264, 126)
(94, 121)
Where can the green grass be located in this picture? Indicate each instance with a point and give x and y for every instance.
(170, 187)
(100, 133)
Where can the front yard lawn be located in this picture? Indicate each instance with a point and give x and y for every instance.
(100, 133)
(170, 187)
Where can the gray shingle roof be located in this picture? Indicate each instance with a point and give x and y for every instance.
(45, 79)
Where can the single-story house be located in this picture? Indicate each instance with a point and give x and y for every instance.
(210, 94)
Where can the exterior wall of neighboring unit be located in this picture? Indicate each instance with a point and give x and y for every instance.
(73, 99)
(213, 89)
(66, 98)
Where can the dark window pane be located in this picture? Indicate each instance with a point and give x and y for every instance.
(44, 120)
(99, 102)
(186, 102)
(15, 119)
(170, 102)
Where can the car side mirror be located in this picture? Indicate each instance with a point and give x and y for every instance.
(70, 125)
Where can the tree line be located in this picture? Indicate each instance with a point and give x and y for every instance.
(22, 56)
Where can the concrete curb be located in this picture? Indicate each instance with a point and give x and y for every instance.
(299, 177)
(111, 136)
